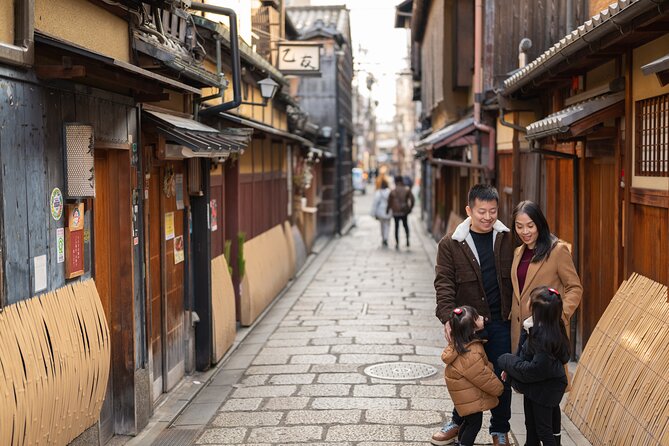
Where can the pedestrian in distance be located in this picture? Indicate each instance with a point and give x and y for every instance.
(474, 268)
(470, 379)
(380, 211)
(537, 371)
(401, 202)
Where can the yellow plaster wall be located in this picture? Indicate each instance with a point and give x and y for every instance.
(7, 21)
(504, 134)
(268, 269)
(644, 87)
(83, 23)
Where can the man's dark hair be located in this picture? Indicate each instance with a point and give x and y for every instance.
(482, 192)
(399, 180)
(545, 240)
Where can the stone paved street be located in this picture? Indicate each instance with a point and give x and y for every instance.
(298, 376)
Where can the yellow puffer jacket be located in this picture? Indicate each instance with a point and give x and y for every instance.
(470, 379)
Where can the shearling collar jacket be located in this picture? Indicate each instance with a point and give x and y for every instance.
(458, 279)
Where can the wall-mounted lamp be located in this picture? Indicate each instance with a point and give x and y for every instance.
(268, 89)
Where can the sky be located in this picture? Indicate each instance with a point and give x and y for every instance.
(378, 47)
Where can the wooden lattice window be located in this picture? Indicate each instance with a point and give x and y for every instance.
(652, 137)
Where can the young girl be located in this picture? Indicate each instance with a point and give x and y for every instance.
(470, 378)
(538, 370)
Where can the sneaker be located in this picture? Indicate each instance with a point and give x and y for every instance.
(499, 439)
(446, 435)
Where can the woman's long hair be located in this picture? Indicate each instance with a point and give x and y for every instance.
(545, 241)
(463, 320)
(548, 332)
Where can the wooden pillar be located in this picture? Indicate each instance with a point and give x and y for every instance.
(201, 250)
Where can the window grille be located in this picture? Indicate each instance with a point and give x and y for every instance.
(652, 137)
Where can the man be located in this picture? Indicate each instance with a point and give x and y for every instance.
(474, 268)
(400, 202)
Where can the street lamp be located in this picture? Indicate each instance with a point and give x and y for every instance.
(268, 89)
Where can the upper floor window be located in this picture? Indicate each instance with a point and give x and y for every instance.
(652, 137)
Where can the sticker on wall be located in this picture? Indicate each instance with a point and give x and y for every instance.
(56, 203)
(179, 193)
(213, 208)
(169, 226)
(60, 244)
(39, 267)
(178, 249)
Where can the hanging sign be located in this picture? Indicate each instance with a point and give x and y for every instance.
(300, 58)
(74, 241)
(56, 203)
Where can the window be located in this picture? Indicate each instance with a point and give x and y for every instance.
(652, 137)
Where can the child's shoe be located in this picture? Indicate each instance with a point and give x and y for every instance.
(446, 435)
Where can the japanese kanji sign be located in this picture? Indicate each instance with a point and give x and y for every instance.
(304, 59)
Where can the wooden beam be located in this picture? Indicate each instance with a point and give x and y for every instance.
(650, 197)
(60, 71)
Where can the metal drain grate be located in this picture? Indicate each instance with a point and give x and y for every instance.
(400, 370)
(176, 437)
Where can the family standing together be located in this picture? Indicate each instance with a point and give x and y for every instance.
(505, 298)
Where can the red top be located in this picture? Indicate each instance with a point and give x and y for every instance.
(523, 265)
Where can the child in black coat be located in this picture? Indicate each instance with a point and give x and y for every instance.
(538, 370)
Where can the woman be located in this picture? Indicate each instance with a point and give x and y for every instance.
(380, 210)
(541, 260)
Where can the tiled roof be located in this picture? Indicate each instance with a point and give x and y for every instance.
(608, 20)
(328, 20)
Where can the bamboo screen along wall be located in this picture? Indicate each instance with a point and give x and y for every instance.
(54, 366)
(620, 392)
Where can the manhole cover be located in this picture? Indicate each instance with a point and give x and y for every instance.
(400, 370)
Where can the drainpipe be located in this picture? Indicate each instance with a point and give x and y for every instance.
(478, 50)
(236, 61)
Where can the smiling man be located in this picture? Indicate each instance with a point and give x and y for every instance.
(474, 268)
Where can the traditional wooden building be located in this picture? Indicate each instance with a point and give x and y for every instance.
(599, 136)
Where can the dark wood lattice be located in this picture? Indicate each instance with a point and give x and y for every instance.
(652, 137)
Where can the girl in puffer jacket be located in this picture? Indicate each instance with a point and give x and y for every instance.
(537, 371)
(470, 378)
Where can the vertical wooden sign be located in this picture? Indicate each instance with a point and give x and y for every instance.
(74, 241)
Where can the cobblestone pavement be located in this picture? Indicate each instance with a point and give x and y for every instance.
(298, 375)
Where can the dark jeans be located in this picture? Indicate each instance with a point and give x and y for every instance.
(498, 334)
(539, 423)
(403, 219)
(469, 429)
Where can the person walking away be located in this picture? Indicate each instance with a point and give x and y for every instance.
(401, 203)
(474, 268)
(541, 259)
(470, 378)
(538, 370)
(380, 211)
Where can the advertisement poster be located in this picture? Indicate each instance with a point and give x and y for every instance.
(179, 179)
(56, 204)
(178, 249)
(169, 226)
(60, 244)
(214, 215)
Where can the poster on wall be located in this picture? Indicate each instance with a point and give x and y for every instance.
(39, 268)
(179, 178)
(214, 215)
(169, 225)
(60, 244)
(178, 249)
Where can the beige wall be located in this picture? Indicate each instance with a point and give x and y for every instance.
(644, 87)
(83, 23)
(596, 6)
(7, 21)
(504, 134)
(603, 74)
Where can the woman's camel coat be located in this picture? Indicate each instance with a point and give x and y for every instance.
(557, 271)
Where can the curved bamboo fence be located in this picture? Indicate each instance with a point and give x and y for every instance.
(620, 393)
(54, 366)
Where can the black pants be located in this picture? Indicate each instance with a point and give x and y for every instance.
(469, 429)
(403, 219)
(539, 423)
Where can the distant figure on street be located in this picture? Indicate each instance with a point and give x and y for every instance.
(380, 211)
(470, 379)
(474, 268)
(400, 202)
(537, 371)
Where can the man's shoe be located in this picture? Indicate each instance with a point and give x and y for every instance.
(500, 439)
(446, 435)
